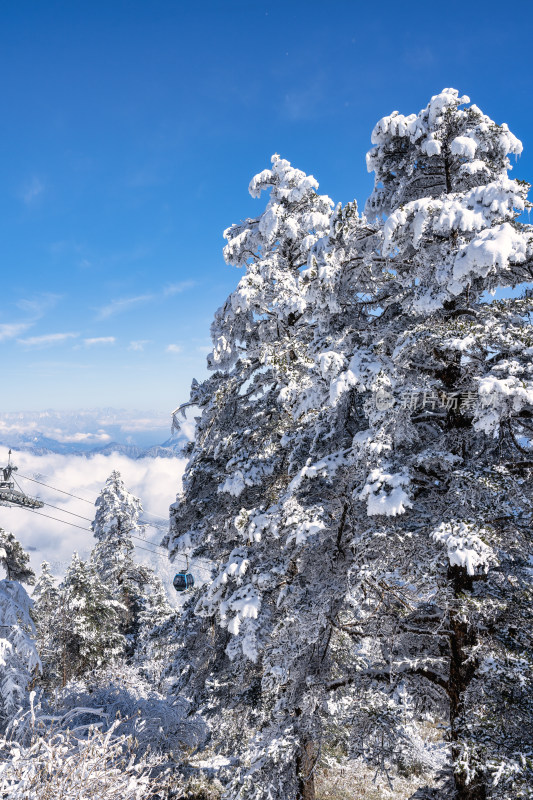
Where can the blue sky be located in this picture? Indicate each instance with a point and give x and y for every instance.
(130, 131)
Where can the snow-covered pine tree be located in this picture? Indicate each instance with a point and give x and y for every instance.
(88, 622)
(395, 518)
(15, 560)
(156, 642)
(232, 510)
(18, 654)
(453, 404)
(46, 615)
(117, 516)
(433, 382)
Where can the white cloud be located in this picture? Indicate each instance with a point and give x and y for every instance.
(48, 339)
(87, 438)
(177, 288)
(139, 346)
(127, 303)
(8, 330)
(124, 304)
(32, 190)
(173, 348)
(34, 307)
(99, 340)
(38, 305)
(22, 427)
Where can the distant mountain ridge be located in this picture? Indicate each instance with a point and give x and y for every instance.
(43, 445)
(134, 434)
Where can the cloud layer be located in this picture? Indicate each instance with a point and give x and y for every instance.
(141, 428)
(155, 480)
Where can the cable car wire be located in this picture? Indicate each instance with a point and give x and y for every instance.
(138, 546)
(56, 519)
(77, 497)
(146, 524)
(64, 511)
(27, 478)
(88, 530)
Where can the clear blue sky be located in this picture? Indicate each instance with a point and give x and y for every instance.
(130, 131)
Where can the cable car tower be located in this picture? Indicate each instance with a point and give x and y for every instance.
(9, 496)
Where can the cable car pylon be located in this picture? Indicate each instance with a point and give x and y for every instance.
(9, 496)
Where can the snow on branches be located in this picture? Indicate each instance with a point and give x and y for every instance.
(360, 477)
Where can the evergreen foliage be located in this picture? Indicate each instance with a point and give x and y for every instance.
(46, 616)
(15, 560)
(117, 516)
(18, 654)
(361, 474)
(87, 621)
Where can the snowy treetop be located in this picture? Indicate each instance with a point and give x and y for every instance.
(443, 148)
(116, 508)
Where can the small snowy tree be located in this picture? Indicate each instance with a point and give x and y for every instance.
(18, 654)
(88, 621)
(117, 516)
(156, 642)
(46, 616)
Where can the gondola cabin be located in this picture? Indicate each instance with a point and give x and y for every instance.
(183, 581)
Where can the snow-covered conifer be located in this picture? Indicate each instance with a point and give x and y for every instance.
(46, 616)
(365, 497)
(445, 383)
(18, 654)
(233, 512)
(117, 517)
(88, 621)
(14, 559)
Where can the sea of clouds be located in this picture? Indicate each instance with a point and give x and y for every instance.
(155, 481)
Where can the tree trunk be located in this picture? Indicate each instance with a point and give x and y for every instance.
(462, 672)
(305, 765)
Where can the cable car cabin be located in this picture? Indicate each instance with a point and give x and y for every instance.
(183, 581)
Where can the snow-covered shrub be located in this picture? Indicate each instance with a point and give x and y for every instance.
(61, 765)
(133, 708)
